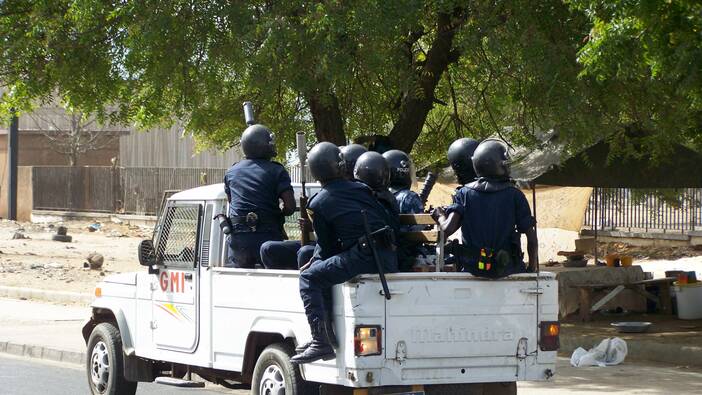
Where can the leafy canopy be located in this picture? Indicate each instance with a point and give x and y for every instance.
(424, 71)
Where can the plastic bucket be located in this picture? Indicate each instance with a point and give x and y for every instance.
(626, 260)
(689, 301)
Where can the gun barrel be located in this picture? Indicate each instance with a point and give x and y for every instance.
(427, 187)
(249, 113)
(378, 264)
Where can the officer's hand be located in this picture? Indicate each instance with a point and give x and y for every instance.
(438, 213)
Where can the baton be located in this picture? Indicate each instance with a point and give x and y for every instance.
(378, 265)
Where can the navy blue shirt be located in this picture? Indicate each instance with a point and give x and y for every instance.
(490, 219)
(409, 202)
(336, 215)
(255, 185)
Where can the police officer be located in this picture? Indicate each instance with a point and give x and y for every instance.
(372, 169)
(351, 154)
(460, 153)
(401, 182)
(254, 187)
(342, 251)
(291, 254)
(492, 214)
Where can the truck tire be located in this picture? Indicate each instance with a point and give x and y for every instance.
(275, 375)
(104, 362)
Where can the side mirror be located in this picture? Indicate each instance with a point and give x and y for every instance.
(147, 253)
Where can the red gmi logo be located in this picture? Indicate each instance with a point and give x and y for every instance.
(172, 282)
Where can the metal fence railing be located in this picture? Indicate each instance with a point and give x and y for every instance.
(645, 210)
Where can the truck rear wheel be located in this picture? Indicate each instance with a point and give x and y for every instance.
(104, 363)
(275, 375)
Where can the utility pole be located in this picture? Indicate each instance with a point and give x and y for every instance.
(12, 142)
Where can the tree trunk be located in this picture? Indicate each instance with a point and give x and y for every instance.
(326, 114)
(72, 159)
(414, 107)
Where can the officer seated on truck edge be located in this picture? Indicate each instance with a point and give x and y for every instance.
(254, 187)
(492, 214)
(291, 254)
(342, 251)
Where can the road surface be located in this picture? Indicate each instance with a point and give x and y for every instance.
(20, 376)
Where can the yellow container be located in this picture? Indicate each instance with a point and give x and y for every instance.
(626, 260)
(611, 259)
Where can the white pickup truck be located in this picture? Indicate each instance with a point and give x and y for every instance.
(440, 333)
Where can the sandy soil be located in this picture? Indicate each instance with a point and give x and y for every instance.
(39, 262)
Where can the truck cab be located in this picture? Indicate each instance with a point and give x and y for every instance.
(187, 313)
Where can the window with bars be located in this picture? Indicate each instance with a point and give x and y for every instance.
(177, 243)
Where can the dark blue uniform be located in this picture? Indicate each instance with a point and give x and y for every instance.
(492, 218)
(409, 202)
(254, 186)
(336, 215)
(286, 255)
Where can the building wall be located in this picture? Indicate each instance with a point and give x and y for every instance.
(169, 148)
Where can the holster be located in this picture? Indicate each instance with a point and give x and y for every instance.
(381, 238)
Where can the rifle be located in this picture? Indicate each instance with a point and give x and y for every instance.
(378, 264)
(302, 155)
(249, 113)
(427, 187)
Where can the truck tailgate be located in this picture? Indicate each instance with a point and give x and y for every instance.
(442, 315)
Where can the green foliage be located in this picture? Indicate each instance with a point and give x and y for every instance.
(591, 69)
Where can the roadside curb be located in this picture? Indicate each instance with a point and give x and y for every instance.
(45, 295)
(648, 350)
(39, 352)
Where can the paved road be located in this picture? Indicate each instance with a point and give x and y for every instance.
(19, 376)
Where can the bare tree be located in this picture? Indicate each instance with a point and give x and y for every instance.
(72, 133)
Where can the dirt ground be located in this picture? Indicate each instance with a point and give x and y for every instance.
(39, 262)
(665, 329)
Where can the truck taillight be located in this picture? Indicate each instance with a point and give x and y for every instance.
(550, 332)
(367, 339)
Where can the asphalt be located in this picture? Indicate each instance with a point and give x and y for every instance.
(22, 376)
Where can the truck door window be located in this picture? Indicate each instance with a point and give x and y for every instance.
(179, 234)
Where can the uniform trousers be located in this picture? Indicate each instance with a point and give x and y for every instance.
(316, 281)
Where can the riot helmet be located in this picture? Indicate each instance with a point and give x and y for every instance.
(459, 157)
(326, 162)
(258, 142)
(401, 169)
(492, 160)
(372, 169)
(351, 153)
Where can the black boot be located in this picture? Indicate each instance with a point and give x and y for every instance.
(331, 336)
(319, 347)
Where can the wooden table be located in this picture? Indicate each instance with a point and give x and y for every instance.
(663, 301)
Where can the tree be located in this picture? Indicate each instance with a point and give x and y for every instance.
(71, 132)
(421, 71)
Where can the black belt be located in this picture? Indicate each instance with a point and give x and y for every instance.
(253, 220)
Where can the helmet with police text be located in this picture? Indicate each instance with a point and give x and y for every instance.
(372, 169)
(326, 162)
(258, 142)
(400, 169)
(491, 159)
(459, 157)
(351, 153)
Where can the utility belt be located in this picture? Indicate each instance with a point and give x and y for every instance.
(253, 221)
(381, 238)
(484, 261)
